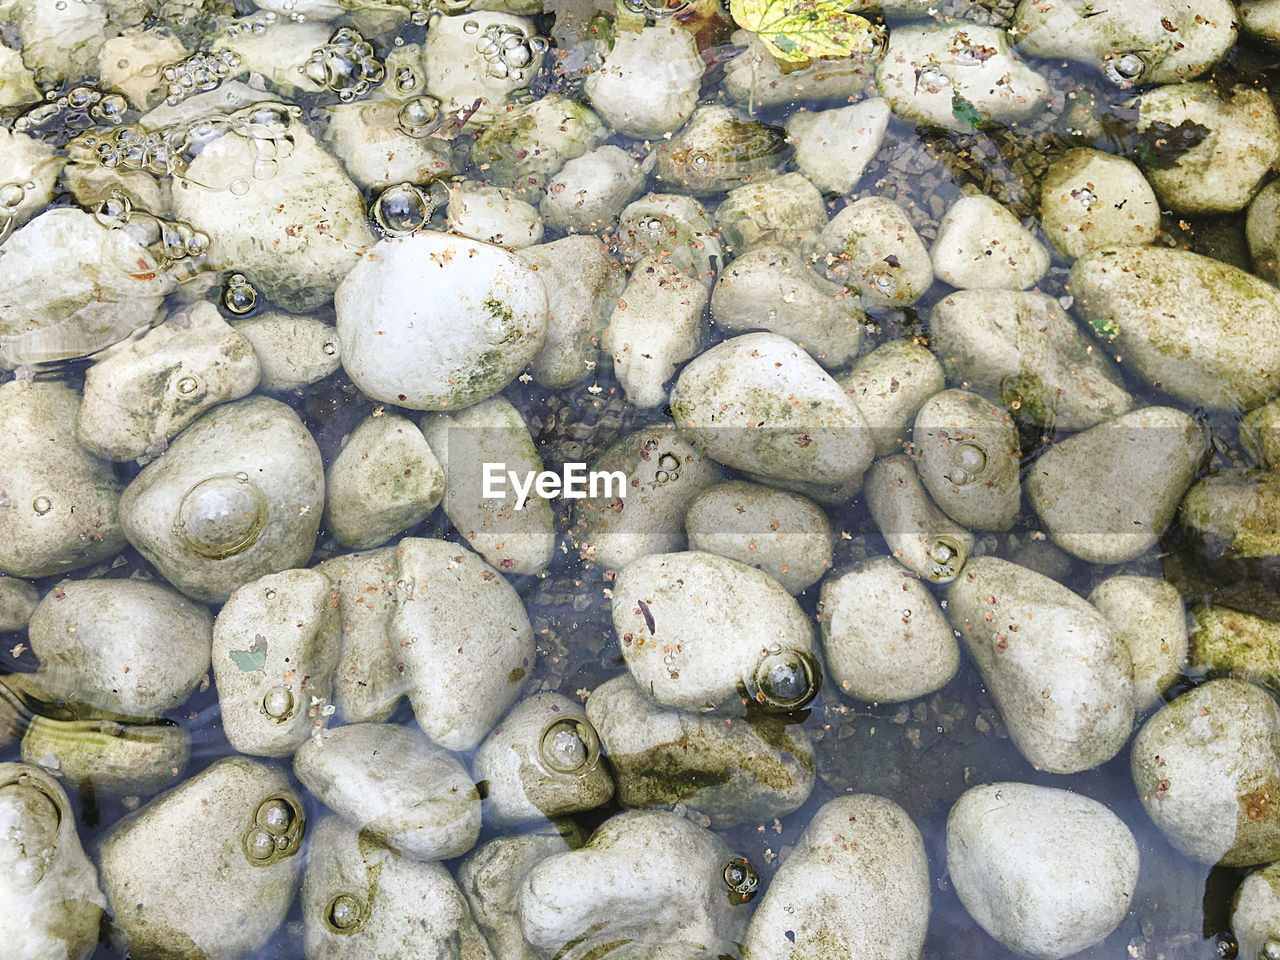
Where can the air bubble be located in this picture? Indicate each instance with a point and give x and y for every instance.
(420, 116)
(12, 194)
(330, 347)
(259, 846)
(188, 386)
(741, 879)
(402, 209)
(278, 704)
(345, 913)
(41, 506)
(221, 516)
(569, 745)
(785, 680)
(239, 296)
(1125, 69)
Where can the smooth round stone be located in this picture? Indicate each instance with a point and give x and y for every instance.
(729, 769)
(209, 868)
(759, 403)
(883, 634)
(1054, 666)
(49, 527)
(543, 760)
(696, 628)
(856, 885)
(361, 899)
(52, 904)
(981, 244)
(1207, 771)
(1046, 872)
(1148, 616)
(238, 495)
(645, 875)
(275, 646)
(781, 533)
(434, 321)
(124, 646)
(392, 784)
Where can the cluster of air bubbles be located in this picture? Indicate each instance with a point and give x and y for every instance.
(946, 557)
(1124, 69)
(346, 65)
(742, 880)
(263, 126)
(77, 108)
(1088, 199)
(420, 116)
(668, 469)
(406, 79)
(402, 209)
(133, 148)
(167, 242)
(968, 462)
(198, 73)
(275, 833)
(11, 197)
(254, 25)
(239, 296)
(509, 51)
(933, 76)
(653, 8)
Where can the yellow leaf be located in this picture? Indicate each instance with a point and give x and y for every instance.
(798, 30)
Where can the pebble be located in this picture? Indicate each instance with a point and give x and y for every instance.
(1205, 770)
(691, 637)
(981, 244)
(856, 884)
(395, 787)
(884, 637)
(435, 321)
(1108, 493)
(784, 534)
(760, 403)
(1004, 843)
(1060, 676)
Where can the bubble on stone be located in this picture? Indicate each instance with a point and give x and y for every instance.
(932, 75)
(741, 879)
(1125, 68)
(406, 80)
(784, 680)
(41, 506)
(345, 913)
(884, 284)
(569, 745)
(330, 347)
(278, 704)
(12, 194)
(402, 209)
(259, 846)
(509, 51)
(188, 385)
(346, 65)
(420, 116)
(221, 516)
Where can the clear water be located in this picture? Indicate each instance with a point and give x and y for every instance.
(922, 754)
